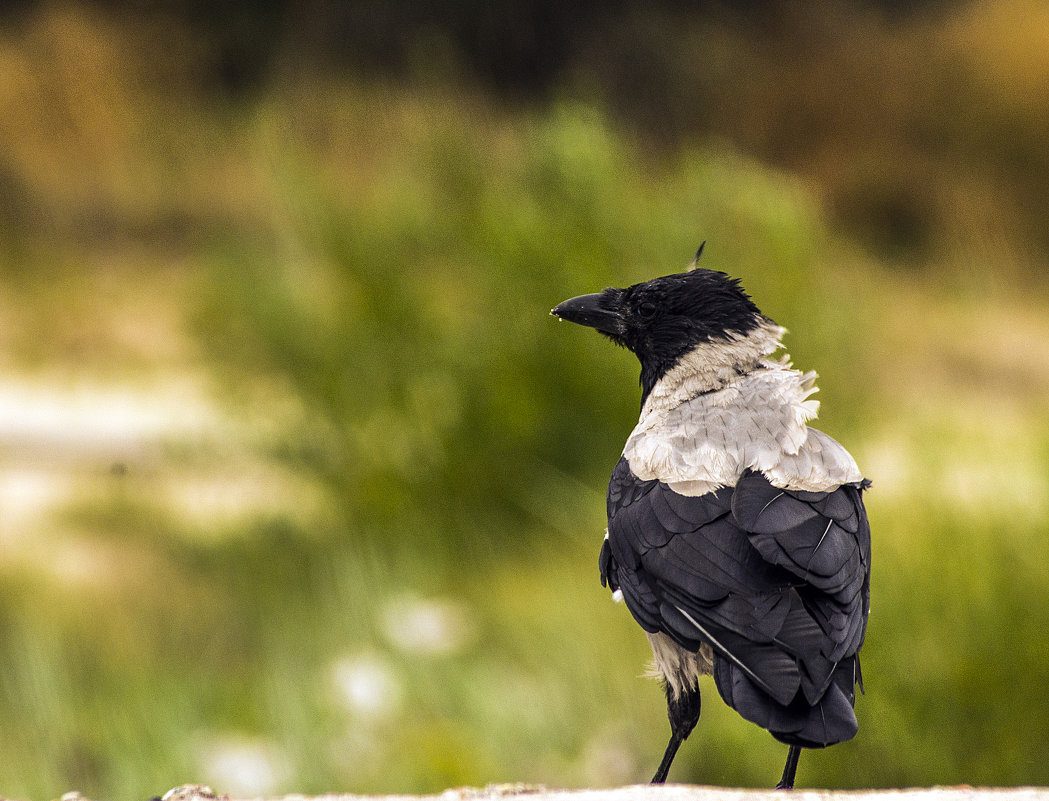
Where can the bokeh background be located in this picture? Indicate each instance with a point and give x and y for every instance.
(301, 488)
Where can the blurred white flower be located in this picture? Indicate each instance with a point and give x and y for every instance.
(608, 760)
(243, 766)
(428, 626)
(366, 685)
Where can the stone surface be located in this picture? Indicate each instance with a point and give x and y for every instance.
(647, 792)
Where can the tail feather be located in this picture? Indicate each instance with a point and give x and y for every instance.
(831, 719)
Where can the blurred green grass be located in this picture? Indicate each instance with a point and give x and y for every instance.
(343, 534)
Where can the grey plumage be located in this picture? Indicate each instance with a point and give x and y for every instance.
(737, 535)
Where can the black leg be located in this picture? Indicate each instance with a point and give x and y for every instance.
(790, 769)
(668, 757)
(683, 712)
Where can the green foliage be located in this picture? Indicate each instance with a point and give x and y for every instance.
(412, 602)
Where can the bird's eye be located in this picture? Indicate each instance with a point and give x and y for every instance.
(646, 309)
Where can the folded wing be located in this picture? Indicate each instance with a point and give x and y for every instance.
(775, 581)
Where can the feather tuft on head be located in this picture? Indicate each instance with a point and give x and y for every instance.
(695, 259)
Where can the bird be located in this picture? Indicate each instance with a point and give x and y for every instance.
(737, 535)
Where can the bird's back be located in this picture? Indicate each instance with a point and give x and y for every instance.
(736, 535)
(735, 526)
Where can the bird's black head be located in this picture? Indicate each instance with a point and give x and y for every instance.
(663, 319)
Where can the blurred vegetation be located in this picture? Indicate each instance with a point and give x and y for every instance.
(303, 489)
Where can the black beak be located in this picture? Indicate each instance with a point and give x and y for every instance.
(588, 310)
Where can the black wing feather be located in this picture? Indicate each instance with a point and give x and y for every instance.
(776, 581)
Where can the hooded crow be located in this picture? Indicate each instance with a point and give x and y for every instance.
(737, 535)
